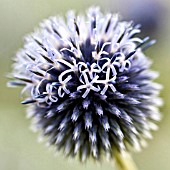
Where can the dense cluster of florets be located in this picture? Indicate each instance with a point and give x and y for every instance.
(88, 84)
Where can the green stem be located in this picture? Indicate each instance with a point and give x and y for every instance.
(125, 162)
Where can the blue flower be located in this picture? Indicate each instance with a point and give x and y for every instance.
(89, 84)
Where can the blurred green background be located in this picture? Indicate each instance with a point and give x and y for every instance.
(19, 149)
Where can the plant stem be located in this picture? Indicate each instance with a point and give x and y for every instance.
(125, 162)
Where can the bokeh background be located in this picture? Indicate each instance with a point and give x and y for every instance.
(19, 149)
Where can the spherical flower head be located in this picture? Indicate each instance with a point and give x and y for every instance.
(89, 84)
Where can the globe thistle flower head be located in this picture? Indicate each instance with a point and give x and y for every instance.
(89, 84)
